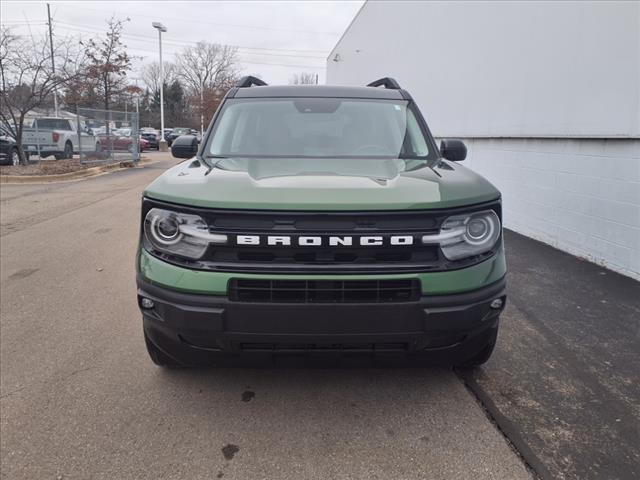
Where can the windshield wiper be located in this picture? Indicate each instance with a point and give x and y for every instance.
(430, 164)
(212, 165)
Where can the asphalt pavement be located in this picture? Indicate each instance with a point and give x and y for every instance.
(79, 398)
(564, 382)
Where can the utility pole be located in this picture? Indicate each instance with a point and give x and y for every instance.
(53, 62)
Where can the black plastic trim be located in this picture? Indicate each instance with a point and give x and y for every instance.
(386, 82)
(250, 81)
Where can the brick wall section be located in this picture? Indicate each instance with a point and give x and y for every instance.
(578, 195)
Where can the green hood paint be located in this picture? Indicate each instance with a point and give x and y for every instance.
(321, 184)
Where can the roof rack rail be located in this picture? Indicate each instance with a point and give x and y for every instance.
(388, 82)
(249, 81)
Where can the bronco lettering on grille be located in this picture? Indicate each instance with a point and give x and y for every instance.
(317, 241)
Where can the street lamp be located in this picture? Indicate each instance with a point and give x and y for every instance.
(162, 146)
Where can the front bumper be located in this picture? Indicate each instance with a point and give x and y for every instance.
(200, 329)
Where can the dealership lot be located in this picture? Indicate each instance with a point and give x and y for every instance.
(80, 399)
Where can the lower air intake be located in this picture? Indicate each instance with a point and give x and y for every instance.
(324, 291)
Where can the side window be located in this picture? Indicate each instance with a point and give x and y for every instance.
(64, 125)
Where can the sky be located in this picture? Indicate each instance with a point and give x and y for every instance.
(275, 39)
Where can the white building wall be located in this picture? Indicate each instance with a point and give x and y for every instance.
(582, 196)
(545, 94)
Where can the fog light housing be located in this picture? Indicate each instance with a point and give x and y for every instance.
(147, 303)
(496, 304)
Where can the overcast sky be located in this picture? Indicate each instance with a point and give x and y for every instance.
(275, 39)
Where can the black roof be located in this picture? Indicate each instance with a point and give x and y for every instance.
(330, 91)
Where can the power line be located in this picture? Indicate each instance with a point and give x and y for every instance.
(244, 60)
(185, 42)
(142, 38)
(22, 22)
(81, 29)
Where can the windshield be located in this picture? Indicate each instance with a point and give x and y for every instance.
(181, 131)
(318, 128)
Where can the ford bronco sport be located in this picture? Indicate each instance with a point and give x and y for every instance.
(320, 221)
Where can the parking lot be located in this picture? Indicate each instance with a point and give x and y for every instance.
(80, 398)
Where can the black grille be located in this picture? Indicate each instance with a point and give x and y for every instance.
(423, 254)
(324, 291)
(296, 224)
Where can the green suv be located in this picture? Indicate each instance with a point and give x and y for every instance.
(320, 222)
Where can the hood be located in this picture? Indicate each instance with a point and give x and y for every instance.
(321, 184)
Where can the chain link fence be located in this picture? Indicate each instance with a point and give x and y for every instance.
(90, 135)
(113, 136)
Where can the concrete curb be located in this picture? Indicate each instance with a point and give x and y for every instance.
(71, 176)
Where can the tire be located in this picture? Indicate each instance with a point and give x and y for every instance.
(158, 356)
(15, 158)
(483, 355)
(68, 151)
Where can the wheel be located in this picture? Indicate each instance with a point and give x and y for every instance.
(15, 158)
(68, 150)
(158, 356)
(484, 354)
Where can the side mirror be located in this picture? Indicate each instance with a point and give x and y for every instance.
(454, 150)
(185, 146)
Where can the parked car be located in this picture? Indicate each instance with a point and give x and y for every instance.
(326, 223)
(166, 134)
(59, 137)
(176, 132)
(99, 130)
(8, 149)
(152, 136)
(121, 139)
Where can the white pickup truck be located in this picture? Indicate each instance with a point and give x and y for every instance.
(59, 137)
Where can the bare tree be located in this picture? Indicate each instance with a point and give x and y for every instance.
(304, 78)
(27, 78)
(151, 75)
(109, 62)
(207, 67)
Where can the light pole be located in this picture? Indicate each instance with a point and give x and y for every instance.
(162, 146)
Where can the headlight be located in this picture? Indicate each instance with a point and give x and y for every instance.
(463, 236)
(179, 233)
